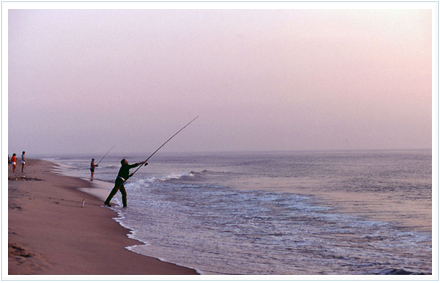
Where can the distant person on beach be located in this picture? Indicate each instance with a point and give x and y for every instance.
(123, 175)
(92, 167)
(23, 161)
(14, 162)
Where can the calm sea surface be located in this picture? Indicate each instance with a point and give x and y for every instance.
(284, 213)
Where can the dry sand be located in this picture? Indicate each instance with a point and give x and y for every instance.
(50, 234)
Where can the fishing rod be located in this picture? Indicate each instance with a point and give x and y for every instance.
(164, 144)
(105, 155)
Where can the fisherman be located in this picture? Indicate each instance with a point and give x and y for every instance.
(123, 175)
(92, 168)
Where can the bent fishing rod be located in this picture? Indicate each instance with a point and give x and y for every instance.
(105, 155)
(164, 144)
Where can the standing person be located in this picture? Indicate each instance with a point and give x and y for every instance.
(23, 161)
(123, 175)
(92, 167)
(14, 162)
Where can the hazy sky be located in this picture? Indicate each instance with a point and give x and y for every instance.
(81, 81)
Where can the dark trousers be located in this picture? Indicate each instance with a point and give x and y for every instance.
(119, 185)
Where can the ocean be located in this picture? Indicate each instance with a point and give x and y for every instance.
(276, 213)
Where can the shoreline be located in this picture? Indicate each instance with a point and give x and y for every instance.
(49, 233)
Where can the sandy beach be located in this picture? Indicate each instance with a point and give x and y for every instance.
(49, 233)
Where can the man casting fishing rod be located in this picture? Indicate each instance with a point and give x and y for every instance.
(124, 173)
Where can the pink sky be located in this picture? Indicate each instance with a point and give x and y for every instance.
(81, 81)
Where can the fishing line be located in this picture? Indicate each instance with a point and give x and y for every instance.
(165, 144)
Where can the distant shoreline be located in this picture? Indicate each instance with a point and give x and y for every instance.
(141, 155)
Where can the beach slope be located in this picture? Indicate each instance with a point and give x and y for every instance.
(49, 233)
